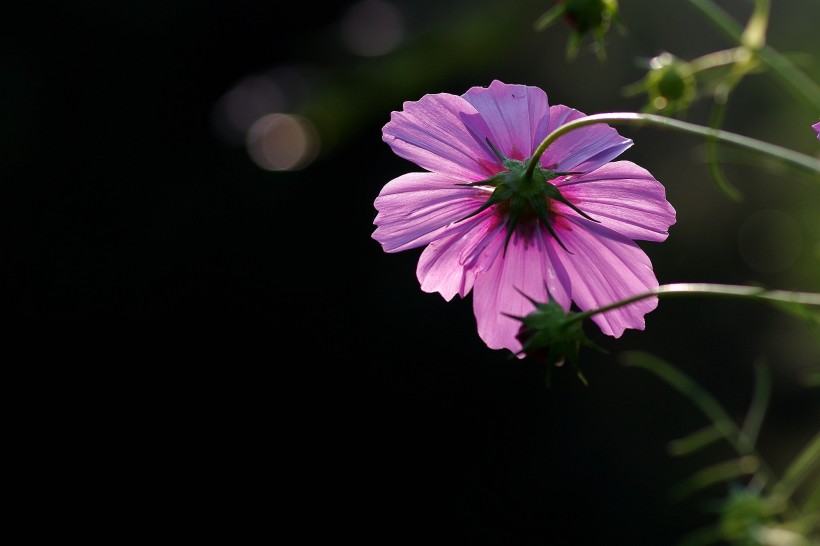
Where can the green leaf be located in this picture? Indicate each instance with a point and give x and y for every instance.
(802, 466)
(548, 18)
(699, 397)
(759, 403)
(695, 441)
(714, 474)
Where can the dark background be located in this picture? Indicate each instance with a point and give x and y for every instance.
(215, 349)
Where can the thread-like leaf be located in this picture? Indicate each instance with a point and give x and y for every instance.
(695, 441)
(759, 403)
(803, 465)
(715, 474)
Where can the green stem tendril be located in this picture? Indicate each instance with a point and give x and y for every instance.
(791, 157)
(718, 59)
(752, 37)
(722, 182)
(712, 290)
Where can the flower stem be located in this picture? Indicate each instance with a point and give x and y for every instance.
(797, 81)
(633, 118)
(713, 290)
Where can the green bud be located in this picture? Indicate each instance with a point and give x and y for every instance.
(585, 17)
(590, 15)
(743, 515)
(670, 83)
(553, 336)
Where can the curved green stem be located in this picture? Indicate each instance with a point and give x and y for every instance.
(633, 118)
(713, 290)
(797, 81)
(718, 59)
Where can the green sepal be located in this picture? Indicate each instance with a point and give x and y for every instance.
(553, 193)
(553, 335)
(549, 17)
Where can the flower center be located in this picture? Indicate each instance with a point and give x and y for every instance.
(523, 195)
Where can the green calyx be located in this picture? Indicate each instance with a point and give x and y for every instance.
(523, 193)
(588, 15)
(670, 84)
(553, 336)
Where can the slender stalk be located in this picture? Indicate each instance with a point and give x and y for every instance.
(718, 59)
(633, 118)
(797, 81)
(713, 290)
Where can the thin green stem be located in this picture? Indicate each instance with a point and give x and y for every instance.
(797, 81)
(633, 118)
(754, 35)
(750, 459)
(718, 58)
(712, 290)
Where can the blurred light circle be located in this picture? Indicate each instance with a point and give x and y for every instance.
(237, 110)
(372, 27)
(282, 142)
(769, 241)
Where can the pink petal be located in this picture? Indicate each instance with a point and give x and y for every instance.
(524, 271)
(448, 264)
(516, 114)
(416, 208)
(623, 197)
(445, 134)
(584, 149)
(606, 267)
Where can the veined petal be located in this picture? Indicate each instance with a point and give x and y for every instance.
(524, 271)
(624, 197)
(606, 267)
(445, 134)
(584, 149)
(415, 208)
(447, 265)
(516, 115)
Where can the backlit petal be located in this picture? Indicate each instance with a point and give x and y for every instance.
(524, 272)
(606, 267)
(623, 197)
(447, 265)
(516, 115)
(415, 208)
(445, 134)
(584, 149)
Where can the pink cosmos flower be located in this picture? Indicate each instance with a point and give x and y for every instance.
(816, 127)
(510, 236)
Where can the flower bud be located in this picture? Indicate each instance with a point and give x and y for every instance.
(590, 15)
(743, 514)
(584, 16)
(670, 83)
(553, 336)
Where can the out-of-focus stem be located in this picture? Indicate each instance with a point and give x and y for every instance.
(797, 81)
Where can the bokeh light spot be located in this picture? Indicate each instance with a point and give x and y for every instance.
(769, 241)
(246, 102)
(282, 142)
(372, 27)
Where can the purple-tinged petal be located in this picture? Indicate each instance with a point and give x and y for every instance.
(524, 273)
(624, 197)
(606, 267)
(415, 209)
(450, 263)
(443, 133)
(516, 115)
(816, 127)
(584, 149)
